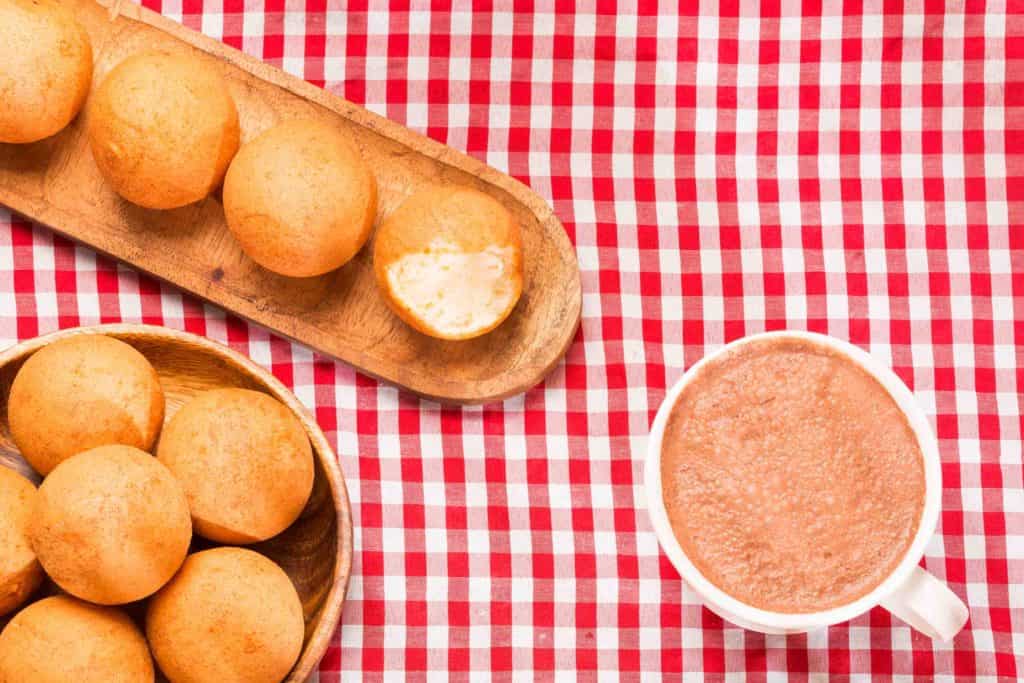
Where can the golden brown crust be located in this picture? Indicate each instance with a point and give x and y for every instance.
(462, 219)
(62, 639)
(299, 198)
(20, 573)
(163, 129)
(47, 69)
(244, 461)
(229, 615)
(111, 525)
(82, 392)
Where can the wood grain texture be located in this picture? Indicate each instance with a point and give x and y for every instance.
(340, 314)
(315, 551)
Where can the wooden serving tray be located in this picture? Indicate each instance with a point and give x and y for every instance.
(340, 314)
(315, 551)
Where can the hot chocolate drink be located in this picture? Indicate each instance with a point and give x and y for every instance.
(791, 478)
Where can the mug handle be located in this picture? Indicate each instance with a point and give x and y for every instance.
(928, 605)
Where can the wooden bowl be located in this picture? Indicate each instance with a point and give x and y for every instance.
(315, 551)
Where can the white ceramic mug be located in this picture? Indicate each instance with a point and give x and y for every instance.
(909, 592)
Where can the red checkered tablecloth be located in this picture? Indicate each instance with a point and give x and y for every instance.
(853, 169)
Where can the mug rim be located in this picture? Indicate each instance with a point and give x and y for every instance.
(733, 608)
